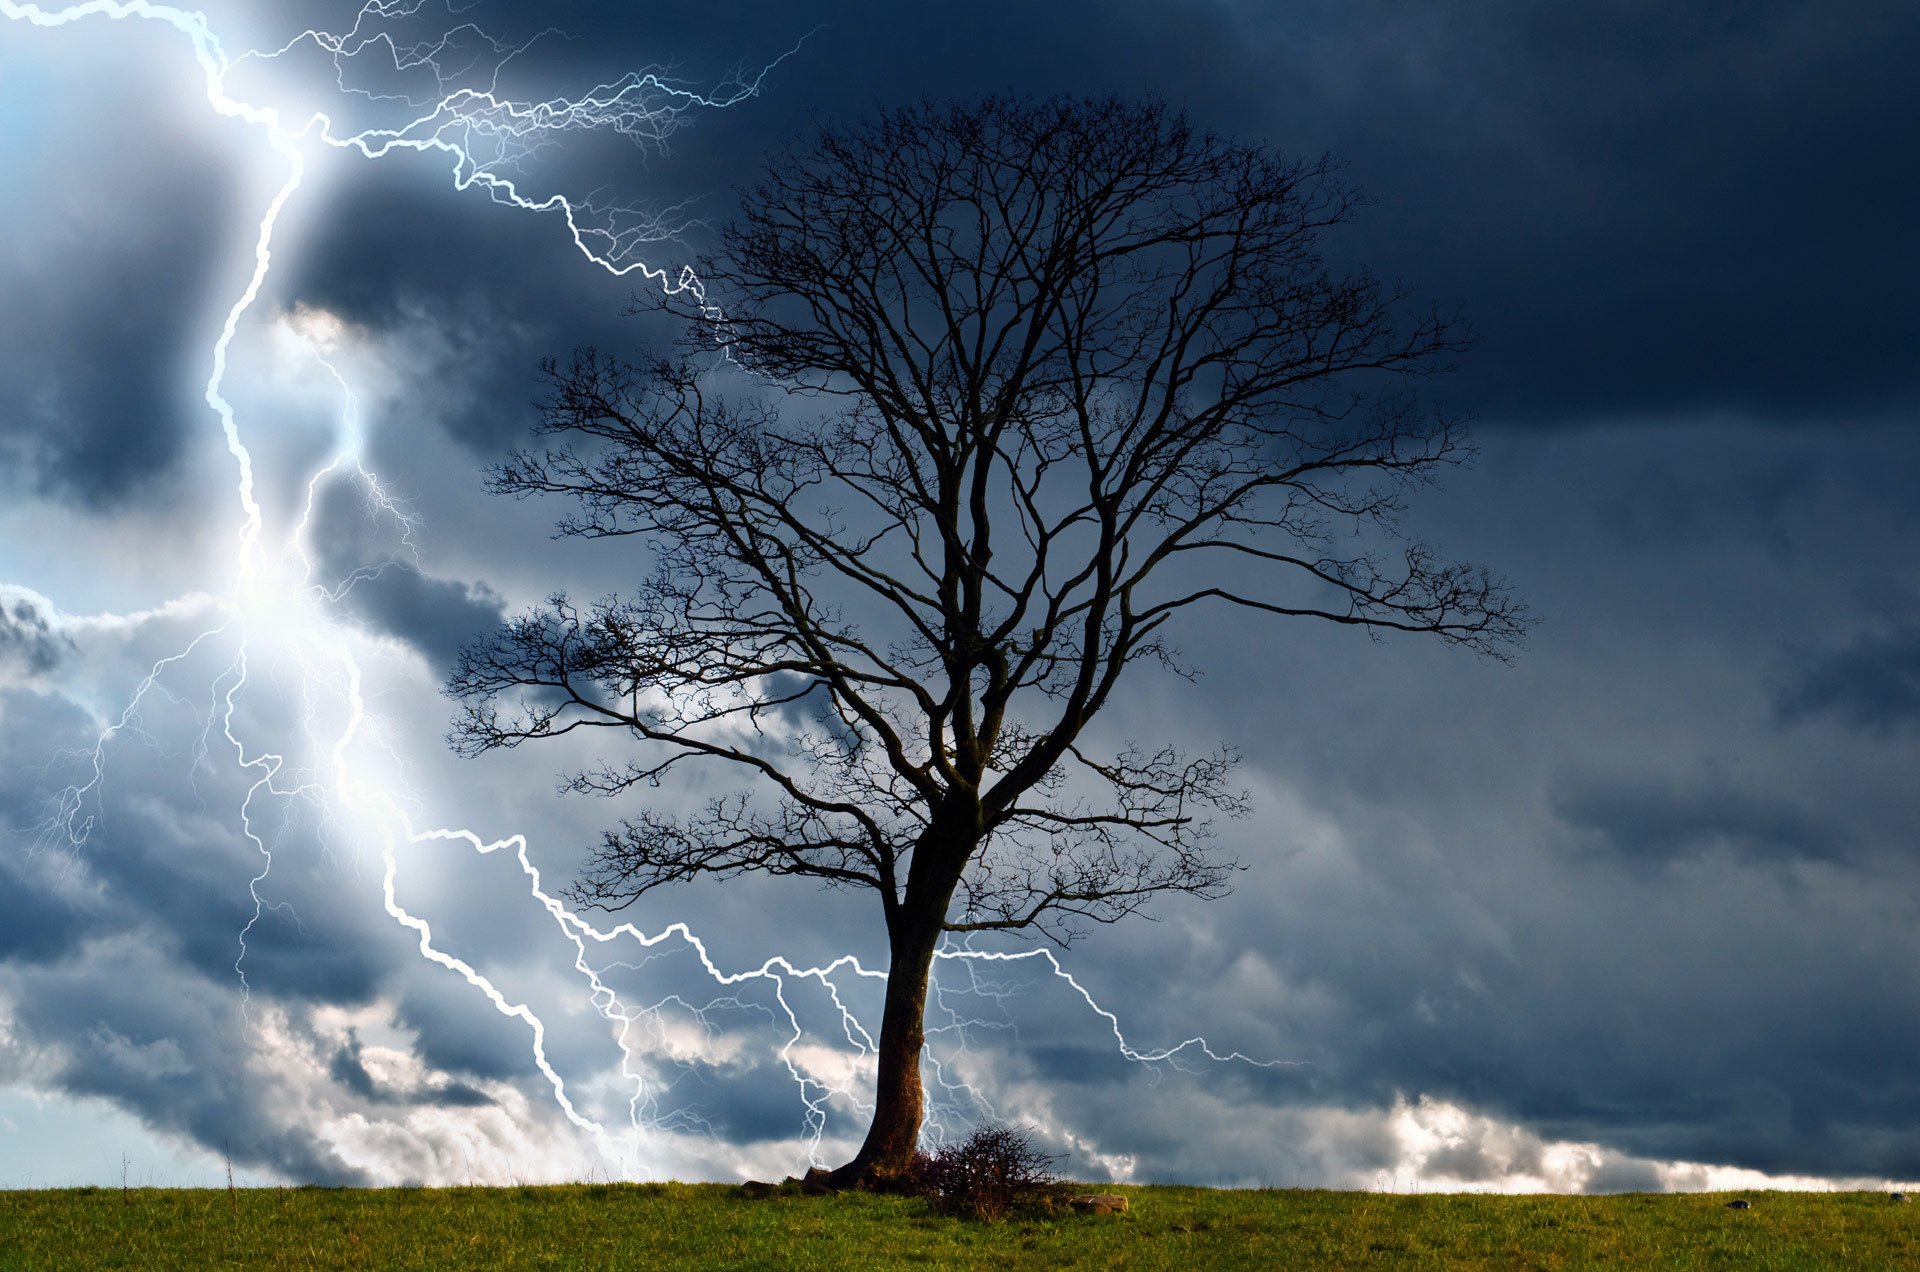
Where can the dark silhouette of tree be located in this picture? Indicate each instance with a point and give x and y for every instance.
(1051, 374)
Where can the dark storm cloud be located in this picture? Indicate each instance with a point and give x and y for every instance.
(437, 616)
(357, 556)
(36, 922)
(164, 864)
(508, 285)
(116, 958)
(498, 288)
(1081, 1062)
(94, 429)
(347, 1069)
(39, 919)
(1601, 893)
(118, 954)
(1872, 683)
(1654, 820)
(456, 1037)
(1719, 1047)
(105, 281)
(1643, 209)
(173, 1059)
(747, 1106)
(27, 639)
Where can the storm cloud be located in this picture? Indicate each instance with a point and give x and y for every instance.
(1643, 211)
(1871, 683)
(28, 642)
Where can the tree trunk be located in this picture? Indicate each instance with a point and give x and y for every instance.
(898, 1101)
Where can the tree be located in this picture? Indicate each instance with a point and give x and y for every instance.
(1055, 374)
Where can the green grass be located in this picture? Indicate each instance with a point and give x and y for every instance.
(681, 1226)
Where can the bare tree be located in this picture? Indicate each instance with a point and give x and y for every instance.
(1055, 373)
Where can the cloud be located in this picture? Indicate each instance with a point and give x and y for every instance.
(362, 556)
(1602, 192)
(348, 1068)
(436, 616)
(1652, 819)
(120, 959)
(1871, 683)
(28, 642)
(93, 1029)
(105, 280)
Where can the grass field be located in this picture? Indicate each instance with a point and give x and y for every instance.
(676, 1226)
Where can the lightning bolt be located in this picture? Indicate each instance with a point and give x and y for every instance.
(278, 609)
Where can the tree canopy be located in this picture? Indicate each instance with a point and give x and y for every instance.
(976, 401)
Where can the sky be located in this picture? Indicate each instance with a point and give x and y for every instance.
(1637, 911)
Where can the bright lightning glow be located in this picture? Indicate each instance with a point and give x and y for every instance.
(277, 614)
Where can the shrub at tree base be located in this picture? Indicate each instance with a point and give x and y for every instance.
(993, 1172)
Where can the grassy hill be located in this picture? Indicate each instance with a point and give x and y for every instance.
(681, 1226)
